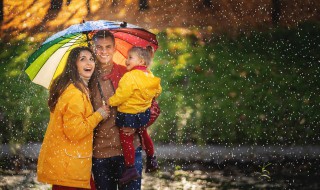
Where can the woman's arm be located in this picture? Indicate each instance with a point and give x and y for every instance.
(76, 125)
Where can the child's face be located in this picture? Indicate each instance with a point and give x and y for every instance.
(133, 60)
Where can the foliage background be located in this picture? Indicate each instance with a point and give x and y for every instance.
(23, 109)
(260, 88)
(257, 88)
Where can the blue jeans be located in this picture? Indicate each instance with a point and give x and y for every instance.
(107, 171)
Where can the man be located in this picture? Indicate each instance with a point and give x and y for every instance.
(108, 162)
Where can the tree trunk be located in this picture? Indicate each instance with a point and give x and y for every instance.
(56, 4)
(276, 11)
(1, 10)
(143, 5)
(114, 3)
(88, 6)
(207, 3)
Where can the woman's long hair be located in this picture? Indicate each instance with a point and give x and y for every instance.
(69, 75)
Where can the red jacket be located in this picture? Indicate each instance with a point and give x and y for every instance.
(117, 72)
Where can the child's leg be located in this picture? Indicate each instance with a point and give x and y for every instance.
(151, 163)
(128, 148)
(147, 141)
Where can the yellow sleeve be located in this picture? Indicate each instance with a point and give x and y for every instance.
(75, 124)
(124, 90)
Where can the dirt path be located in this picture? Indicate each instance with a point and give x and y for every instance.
(190, 152)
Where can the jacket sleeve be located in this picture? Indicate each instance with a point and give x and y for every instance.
(158, 91)
(123, 92)
(75, 123)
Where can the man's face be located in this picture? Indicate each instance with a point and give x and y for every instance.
(104, 50)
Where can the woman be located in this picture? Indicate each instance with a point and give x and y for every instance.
(66, 154)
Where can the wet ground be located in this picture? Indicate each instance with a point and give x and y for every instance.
(191, 168)
(300, 174)
(163, 180)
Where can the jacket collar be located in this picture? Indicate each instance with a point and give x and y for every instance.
(140, 67)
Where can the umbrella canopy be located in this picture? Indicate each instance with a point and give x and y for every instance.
(49, 60)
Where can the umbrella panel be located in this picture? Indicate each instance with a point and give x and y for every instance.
(54, 66)
(49, 60)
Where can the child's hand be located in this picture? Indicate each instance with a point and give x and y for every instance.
(106, 108)
(108, 104)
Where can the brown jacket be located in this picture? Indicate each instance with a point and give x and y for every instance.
(106, 142)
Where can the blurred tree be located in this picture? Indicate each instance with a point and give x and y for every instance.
(238, 90)
(1, 10)
(276, 11)
(24, 113)
(114, 3)
(207, 3)
(88, 6)
(56, 4)
(143, 5)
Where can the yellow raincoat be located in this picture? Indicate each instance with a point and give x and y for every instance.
(135, 92)
(66, 153)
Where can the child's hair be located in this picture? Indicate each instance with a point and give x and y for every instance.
(144, 53)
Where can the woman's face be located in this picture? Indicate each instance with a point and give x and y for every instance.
(133, 60)
(85, 64)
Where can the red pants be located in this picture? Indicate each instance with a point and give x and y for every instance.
(128, 147)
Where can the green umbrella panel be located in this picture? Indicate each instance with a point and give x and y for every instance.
(49, 60)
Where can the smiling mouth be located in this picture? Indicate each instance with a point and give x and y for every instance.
(87, 69)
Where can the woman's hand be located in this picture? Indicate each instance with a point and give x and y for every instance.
(104, 111)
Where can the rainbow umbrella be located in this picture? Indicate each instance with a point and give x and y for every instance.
(49, 60)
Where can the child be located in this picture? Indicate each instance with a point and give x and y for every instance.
(133, 99)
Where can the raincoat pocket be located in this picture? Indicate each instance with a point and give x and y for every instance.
(79, 168)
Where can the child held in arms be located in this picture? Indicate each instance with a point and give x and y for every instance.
(137, 88)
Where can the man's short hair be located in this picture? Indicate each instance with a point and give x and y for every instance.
(103, 34)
